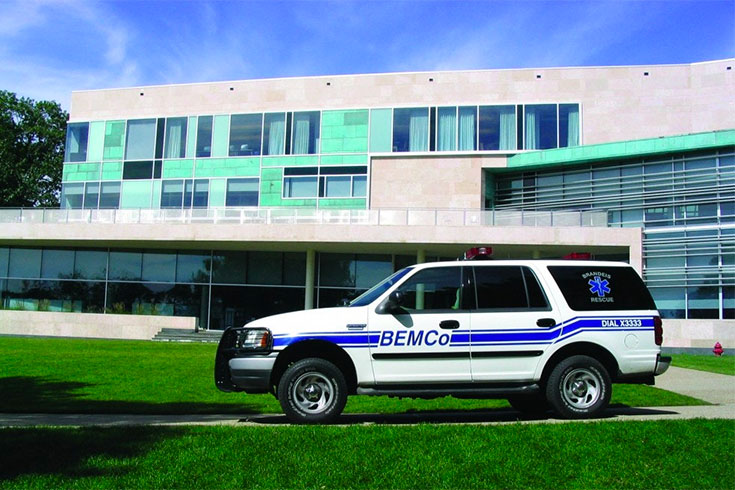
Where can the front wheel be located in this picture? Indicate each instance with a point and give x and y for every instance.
(579, 387)
(312, 391)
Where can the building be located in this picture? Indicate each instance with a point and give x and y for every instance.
(215, 203)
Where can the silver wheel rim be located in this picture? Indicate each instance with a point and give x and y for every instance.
(312, 392)
(581, 388)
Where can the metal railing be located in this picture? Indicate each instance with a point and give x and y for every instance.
(382, 217)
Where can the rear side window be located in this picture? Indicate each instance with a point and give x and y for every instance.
(508, 288)
(587, 288)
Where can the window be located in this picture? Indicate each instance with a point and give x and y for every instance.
(72, 196)
(140, 139)
(204, 137)
(446, 135)
(498, 128)
(172, 194)
(433, 289)
(114, 136)
(467, 128)
(57, 264)
(91, 195)
(274, 134)
(568, 125)
(305, 133)
(175, 145)
(411, 129)
(359, 186)
(242, 192)
(540, 125)
(110, 195)
(506, 288)
(300, 187)
(302, 182)
(76, 142)
(587, 288)
(188, 193)
(137, 170)
(245, 130)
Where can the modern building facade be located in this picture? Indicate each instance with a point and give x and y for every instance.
(228, 201)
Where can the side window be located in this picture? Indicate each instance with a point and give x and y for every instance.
(508, 288)
(590, 287)
(433, 289)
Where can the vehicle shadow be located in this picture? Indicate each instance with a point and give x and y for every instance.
(478, 416)
(32, 394)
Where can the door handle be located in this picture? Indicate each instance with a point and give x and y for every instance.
(449, 324)
(545, 322)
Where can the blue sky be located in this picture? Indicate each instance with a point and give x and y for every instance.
(50, 47)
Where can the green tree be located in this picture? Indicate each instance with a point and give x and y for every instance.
(32, 138)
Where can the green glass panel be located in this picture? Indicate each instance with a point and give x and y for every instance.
(114, 140)
(344, 131)
(156, 195)
(217, 192)
(112, 171)
(96, 141)
(136, 194)
(290, 161)
(191, 138)
(173, 169)
(221, 136)
(350, 203)
(380, 130)
(344, 160)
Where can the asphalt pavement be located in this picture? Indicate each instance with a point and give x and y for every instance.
(716, 389)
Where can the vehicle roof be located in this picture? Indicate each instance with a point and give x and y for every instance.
(531, 262)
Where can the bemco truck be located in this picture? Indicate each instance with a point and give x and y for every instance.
(546, 335)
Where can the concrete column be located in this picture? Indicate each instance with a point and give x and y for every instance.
(310, 277)
(420, 256)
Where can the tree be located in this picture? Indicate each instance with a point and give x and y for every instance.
(31, 151)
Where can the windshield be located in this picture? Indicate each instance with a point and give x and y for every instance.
(371, 294)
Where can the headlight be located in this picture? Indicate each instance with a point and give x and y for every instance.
(254, 339)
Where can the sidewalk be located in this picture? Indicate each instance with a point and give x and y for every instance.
(718, 389)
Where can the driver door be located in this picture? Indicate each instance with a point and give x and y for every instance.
(426, 339)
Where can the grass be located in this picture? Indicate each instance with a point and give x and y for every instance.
(711, 363)
(142, 377)
(649, 455)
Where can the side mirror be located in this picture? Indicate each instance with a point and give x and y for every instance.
(391, 305)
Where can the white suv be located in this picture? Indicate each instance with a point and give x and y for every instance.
(543, 334)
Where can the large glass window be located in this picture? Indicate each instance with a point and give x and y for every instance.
(125, 266)
(91, 195)
(140, 139)
(467, 136)
(90, 264)
(305, 133)
(274, 134)
(245, 133)
(110, 195)
(175, 144)
(568, 125)
(411, 129)
(237, 305)
(72, 196)
(25, 263)
(300, 187)
(57, 264)
(138, 170)
(204, 137)
(192, 267)
(76, 142)
(159, 267)
(446, 134)
(242, 192)
(498, 128)
(229, 267)
(540, 124)
(172, 194)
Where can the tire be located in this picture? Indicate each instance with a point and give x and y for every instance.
(579, 387)
(312, 391)
(534, 405)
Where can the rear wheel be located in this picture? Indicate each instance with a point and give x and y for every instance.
(312, 391)
(579, 387)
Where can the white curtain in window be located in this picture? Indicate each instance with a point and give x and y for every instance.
(276, 136)
(301, 134)
(447, 134)
(507, 128)
(467, 126)
(418, 131)
(533, 129)
(573, 128)
(175, 137)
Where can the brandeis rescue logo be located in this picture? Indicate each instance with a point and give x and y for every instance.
(599, 283)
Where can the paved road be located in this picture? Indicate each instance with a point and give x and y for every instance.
(717, 389)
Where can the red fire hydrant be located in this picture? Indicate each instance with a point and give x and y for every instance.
(718, 350)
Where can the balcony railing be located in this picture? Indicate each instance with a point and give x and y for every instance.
(382, 217)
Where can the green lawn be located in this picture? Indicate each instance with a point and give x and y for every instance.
(647, 455)
(137, 377)
(712, 363)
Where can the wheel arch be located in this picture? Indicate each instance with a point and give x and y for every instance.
(321, 349)
(590, 349)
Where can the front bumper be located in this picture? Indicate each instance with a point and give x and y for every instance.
(662, 364)
(241, 370)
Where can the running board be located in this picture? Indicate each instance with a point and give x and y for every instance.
(460, 391)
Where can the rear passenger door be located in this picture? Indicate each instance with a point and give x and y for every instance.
(513, 324)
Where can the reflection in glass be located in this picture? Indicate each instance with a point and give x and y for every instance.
(57, 264)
